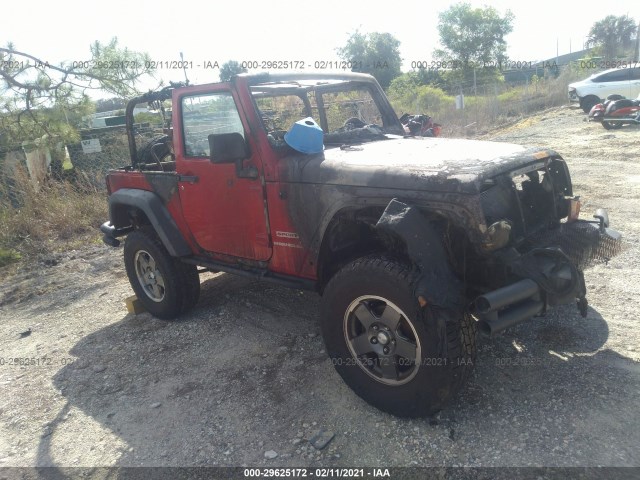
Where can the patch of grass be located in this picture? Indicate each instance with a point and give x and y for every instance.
(7, 257)
(50, 217)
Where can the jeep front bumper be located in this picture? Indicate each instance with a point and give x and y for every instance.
(549, 273)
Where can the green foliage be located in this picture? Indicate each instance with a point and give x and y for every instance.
(110, 104)
(148, 117)
(453, 79)
(279, 113)
(473, 37)
(494, 103)
(408, 96)
(612, 35)
(436, 78)
(432, 98)
(513, 95)
(46, 102)
(375, 53)
(229, 69)
(341, 106)
(404, 86)
(8, 257)
(115, 69)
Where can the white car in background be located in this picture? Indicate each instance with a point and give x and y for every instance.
(623, 81)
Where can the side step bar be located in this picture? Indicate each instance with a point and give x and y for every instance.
(253, 272)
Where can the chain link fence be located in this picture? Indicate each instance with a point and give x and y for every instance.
(54, 197)
(85, 163)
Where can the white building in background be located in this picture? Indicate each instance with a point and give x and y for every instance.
(99, 120)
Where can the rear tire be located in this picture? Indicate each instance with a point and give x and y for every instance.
(401, 358)
(164, 285)
(611, 125)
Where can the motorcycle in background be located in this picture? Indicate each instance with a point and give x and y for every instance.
(616, 111)
(420, 125)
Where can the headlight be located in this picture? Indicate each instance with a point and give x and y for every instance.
(497, 235)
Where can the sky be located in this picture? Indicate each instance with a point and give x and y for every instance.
(287, 30)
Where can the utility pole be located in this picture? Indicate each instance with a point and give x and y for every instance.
(184, 68)
(475, 91)
(636, 54)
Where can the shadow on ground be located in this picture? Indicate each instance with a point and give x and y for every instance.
(246, 372)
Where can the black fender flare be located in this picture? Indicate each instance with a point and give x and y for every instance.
(437, 283)
(157, 213)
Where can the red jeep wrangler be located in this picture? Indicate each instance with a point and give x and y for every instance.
(412, 242)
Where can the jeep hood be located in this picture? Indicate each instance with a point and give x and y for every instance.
(414, 163)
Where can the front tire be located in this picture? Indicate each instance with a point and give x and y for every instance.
(399, 357)
(164, 285)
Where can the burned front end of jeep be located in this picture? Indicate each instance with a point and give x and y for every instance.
(535, 246)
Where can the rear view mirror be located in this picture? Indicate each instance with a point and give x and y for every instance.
(227, 147)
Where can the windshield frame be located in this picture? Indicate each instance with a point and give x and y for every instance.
(301, 85)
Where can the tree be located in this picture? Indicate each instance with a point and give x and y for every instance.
(229, 69)
(612, 35)
(110, 104)
(39, 100)
(375, 53)
(410, 94)
(473, 38)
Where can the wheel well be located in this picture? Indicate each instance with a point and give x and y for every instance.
(352, 233)
(130, 206)
(125, 215)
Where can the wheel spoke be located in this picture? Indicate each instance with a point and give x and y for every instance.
(405, 349)
(361, 344)
(143, 262)
(364, 315)
(391, 317)
(388, 368)
(152, 263)
(157, 292)
(149, 276)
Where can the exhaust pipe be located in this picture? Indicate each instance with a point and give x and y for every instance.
(508, 306)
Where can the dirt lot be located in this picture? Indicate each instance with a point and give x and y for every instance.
(245, 377)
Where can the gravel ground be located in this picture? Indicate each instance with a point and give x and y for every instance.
(244, 378)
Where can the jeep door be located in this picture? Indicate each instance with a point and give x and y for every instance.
(225, 210)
